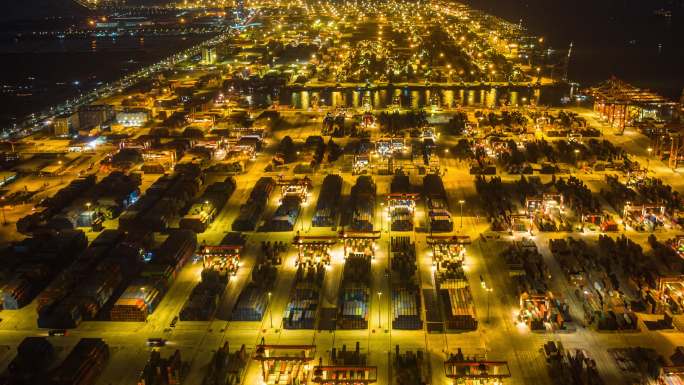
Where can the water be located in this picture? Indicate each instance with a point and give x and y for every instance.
(41, 73)
(422, 97)
(624, 38)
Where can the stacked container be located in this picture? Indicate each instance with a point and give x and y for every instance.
(327, 206)
(251, 211)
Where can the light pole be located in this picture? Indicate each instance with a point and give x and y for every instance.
(577, 157)
(382, 216)
(648, 159)
(270, 309)
(379, 322)
(461, 202)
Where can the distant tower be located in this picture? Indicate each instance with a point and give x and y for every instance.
(567, 63)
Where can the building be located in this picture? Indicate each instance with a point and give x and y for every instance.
(95, 115)
(133, 117)
(208, 55)
(64, 124)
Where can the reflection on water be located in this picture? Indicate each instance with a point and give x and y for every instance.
(421, 97)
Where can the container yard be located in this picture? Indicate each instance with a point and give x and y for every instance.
(360, 244)
(436, 204)
(30, 264)
(302, 309)
(162, 202)
(410, 368)
(293, 195)
(605, 301)
(328, 205)
(434, 322)
(313, 250)
(84, 364)
(90, 283)
(346, 367)
(540, 309)
(49, 209)
(252, 210)
(204, 298)
(226, 367)
(461, 368)
(571, 366)
(138, 300)
(363, 204)
(448, 250)
(253, 301)
(406, 303)
(284, 364)
(162, 371)
(452, 284)
(401, 203)
(207, 206)
(355, 292)
(223, 258)
(35, 355)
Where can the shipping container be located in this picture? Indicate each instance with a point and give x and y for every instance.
(84, 364)
(363, 204)
(251, 211)
(327, 207)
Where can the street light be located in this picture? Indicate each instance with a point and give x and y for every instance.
(382, 216)
(461, 202)
(648, 159)
(270, 309)
(379, 322)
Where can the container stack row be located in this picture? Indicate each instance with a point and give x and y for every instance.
(434, 322)
(84, 364)
(406, 303)
(355, 292)
(327, 207)
(90, 283)
(459, 309)
(32, 263)
(52, 206)
(251, 211)
(163, 201)
(302, 309)
(363, 204)
(204, 298)
(141, 297)
(436, 203)
(456, 297)
(207, 206)
(253, 301)
(286, 215)
(225, 367)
